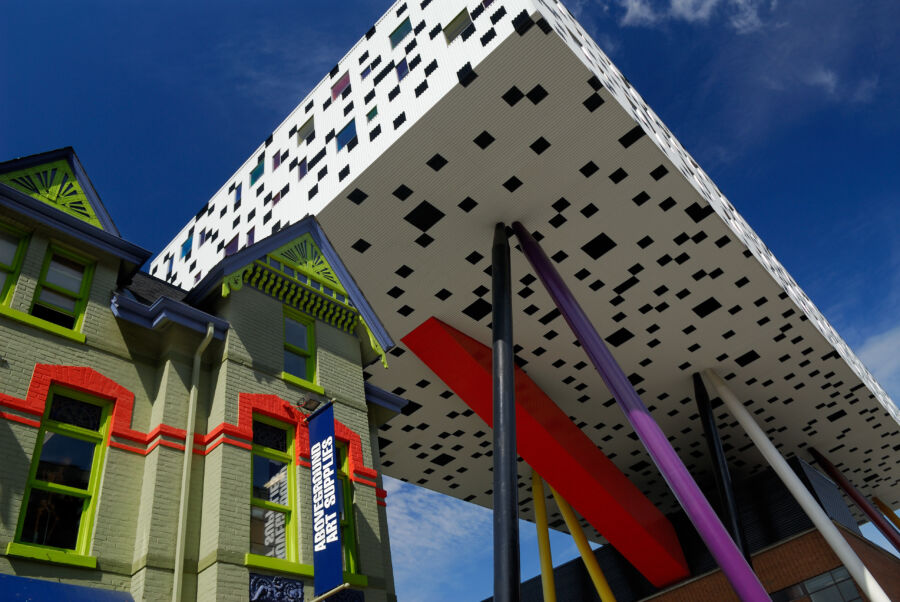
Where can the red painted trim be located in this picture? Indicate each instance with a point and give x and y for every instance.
(559, 451)
(380, 493)
(21, 419)
(88, 380)
(380, 503)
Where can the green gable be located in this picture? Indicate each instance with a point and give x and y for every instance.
(54, 184)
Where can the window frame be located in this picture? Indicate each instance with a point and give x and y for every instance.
(14, 270)
(81, 297)
(349, 552)
(290, 512)
(310, 353)
(406, 25)
(80, 555)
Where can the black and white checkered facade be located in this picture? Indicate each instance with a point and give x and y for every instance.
(523, 117)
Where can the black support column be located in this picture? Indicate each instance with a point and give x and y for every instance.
(727, 501)
(506, 504)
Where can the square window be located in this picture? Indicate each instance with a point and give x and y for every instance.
(401, 32)
(302, 170)
(257, 172)
(455, 27)
(402, 69)
(306, 131)
(340, 86)
(372, 114)
(346, 135)
(62, 290)
(232, 246)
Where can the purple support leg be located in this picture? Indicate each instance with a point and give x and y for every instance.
(701, 514)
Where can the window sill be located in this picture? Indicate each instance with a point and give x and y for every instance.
(303, 384)
(44, 325)
(54, 555)
(281, 565)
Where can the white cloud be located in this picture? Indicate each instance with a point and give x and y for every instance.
(745, 15)
(880, 355)
(639, 12)
(821, 77)
(693, 10)
(431, 537)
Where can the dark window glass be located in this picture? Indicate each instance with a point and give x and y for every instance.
(75, 412)
(232, 247)
(270, 480)
(402, 69)
(295, 364)
(296, 333)
(52, 519)
(65, 460)
(401, 32)
(65, 273)
(269, 436)
(340, 86)
(8, 246)
(268, 536)
(51, 315)
(346, 135)
(457, 26)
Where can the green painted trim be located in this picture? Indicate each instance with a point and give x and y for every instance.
(290, 512)
(373, 343)
(348, 523)
(91, 494)
(80, 296)
(47, 554)
(15, 268)
(54, 184)
(279, 565)
(303, 384)
(303, 255)
(50, 327)
(356, 579)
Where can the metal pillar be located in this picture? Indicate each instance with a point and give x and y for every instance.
(543, 536)
(879, 521)
(701, 514)
(730, 515)
(830, 533)
(506, 503)
(584, 548)
(886, 510)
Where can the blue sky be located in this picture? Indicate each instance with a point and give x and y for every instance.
(792, 107)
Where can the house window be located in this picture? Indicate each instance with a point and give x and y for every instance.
(306, 131)
(340, 86)
(232, 246)
(401, 32)
(346, 135)
(365, 73)
(251, 236)
(203, 236)
(276, 160)
(372, 114)
(186, 247)
(12, 252)
(237, 198)
(258, 171)
(273, 495)
(61, 496)
(62, 290)
(402, 69)
(299, 348)
(348, 519)
(302, 170)
(457, 25)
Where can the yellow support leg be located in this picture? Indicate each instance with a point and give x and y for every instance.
(543, 537)
(587, 554)
(888, 513)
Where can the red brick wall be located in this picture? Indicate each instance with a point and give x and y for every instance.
(792, 562)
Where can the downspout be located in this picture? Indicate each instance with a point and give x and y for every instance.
(186, 469)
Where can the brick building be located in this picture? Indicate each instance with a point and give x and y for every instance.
(100, 367)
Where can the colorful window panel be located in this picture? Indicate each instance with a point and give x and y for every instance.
(258, 171)
(340, 86)
(455, 27)
(347, 134)
(401, 32)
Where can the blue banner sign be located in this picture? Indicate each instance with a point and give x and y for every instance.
(326, 502)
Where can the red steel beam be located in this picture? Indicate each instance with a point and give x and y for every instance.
(560, 452)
